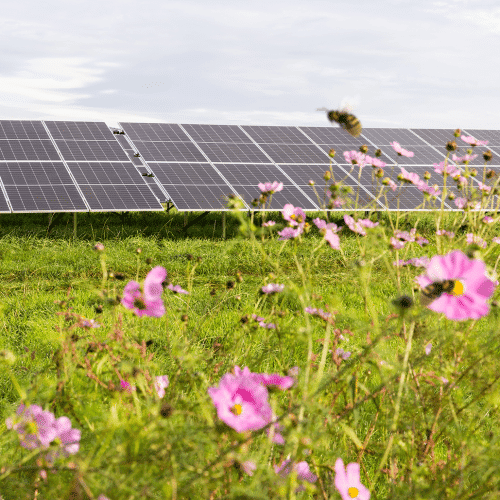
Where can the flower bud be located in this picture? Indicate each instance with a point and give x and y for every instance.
(473, 172)
(364, 149)
(99, 247)
(331, 153)
(457, 132)
(379, 173)
(427, 175)
(311, 183)
(378, 153)
(230, 285)
(490, 174)
(327, 176)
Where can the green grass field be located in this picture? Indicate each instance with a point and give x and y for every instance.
(444, 442)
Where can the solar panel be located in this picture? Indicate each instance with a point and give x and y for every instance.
(276, 135)
(101, 168)
(217, 133)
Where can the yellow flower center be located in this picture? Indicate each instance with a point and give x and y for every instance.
(31, 428)
(353, 492)
(236, 409)
(458, 289)
(139, 303)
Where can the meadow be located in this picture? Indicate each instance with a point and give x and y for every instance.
(143, 391)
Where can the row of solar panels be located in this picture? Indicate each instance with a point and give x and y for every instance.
(61, 166)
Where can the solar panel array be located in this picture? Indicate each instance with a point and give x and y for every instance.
(199, 165)
(64, 166)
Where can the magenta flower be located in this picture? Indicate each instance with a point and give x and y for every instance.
(472, 286)
(400, 151)
(294, 215)
(268, 224)
(265, 378)
(428, 348)
(161, 383)
(355, 157)
(357, 226)
(273, 288)
(241, 402)
(409, 176)
(177, 289)
(473, 142)
(35, 427)
(328, 231)
(148, 301)
(301, 468)
(270, 188)
(38, 429)
(348, 484)
(375, 162)
(289, 233)
(248, 466)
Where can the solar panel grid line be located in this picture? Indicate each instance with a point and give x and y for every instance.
(7, 200)
(66, 166)
(247, 207)
(344, 170)
(293, 183)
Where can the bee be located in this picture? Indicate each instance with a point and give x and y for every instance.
(345, 119)
(433, 291)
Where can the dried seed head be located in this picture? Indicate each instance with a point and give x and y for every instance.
(98, 309)
(378, 153)
(166, 410)
(451, 146)
(119, 276)
(490, 174)
(184, 318)
(189, 257)
(487, 155)
(149, 261)
(230, 285)
(403, 302)
(364, 149)
(473, 172)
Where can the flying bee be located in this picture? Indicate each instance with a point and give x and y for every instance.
(433, 291)
(345, 119)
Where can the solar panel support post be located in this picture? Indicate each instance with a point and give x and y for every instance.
(74, 224)
(53, 218)
(204, 214)
(223, 225)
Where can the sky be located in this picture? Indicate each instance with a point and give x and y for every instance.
(397, 63)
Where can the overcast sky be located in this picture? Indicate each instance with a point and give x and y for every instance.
(424, 63)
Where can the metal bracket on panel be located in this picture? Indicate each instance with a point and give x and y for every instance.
(204, 214)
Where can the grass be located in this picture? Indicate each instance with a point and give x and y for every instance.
(442, 441)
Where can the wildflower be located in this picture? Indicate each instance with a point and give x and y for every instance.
(248, 466)
(318, 312)
(148, 302)
(355, 157)
(357, 226)
(428, 348)
(472, 287)
(487, 219)
(463, 159)
(348, 484)
(473, 142)
(268, 224)
(375, 162)
(35, 427)
(301, 468)
(409, 177)
(265, 378)
(99, 247)
(161, 383)
(68, 439)
(294, 215)
(89, 323)
(343, 354)
(471, 238)
(328, 231)
(400, 151)
(273, 288)
(126, 386)
(241, 402)
(390, 183)
(177, 289)
(460, 202)
(270, 188)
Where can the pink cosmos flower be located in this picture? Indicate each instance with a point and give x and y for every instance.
(390, 183)
(248, 466)
(355, 157)
(35, 427)
(161, 383)
(268, 224)
(357, 226)
(294, 215)
(460, 202)
(428, 348)
(328, 231)
(472, 238)
(400, 151)
(463, 159)
(265, 378)
(302, 469)
(484, 187)
(273, 288)
(409, 176)
(241, 402)
(472, 287)
(473, 142)
(69, 439)
(177, 289)
(348, 484)
(148, 301)
(375, 162)
(289, 233)
(270, 188)
(441, 168)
